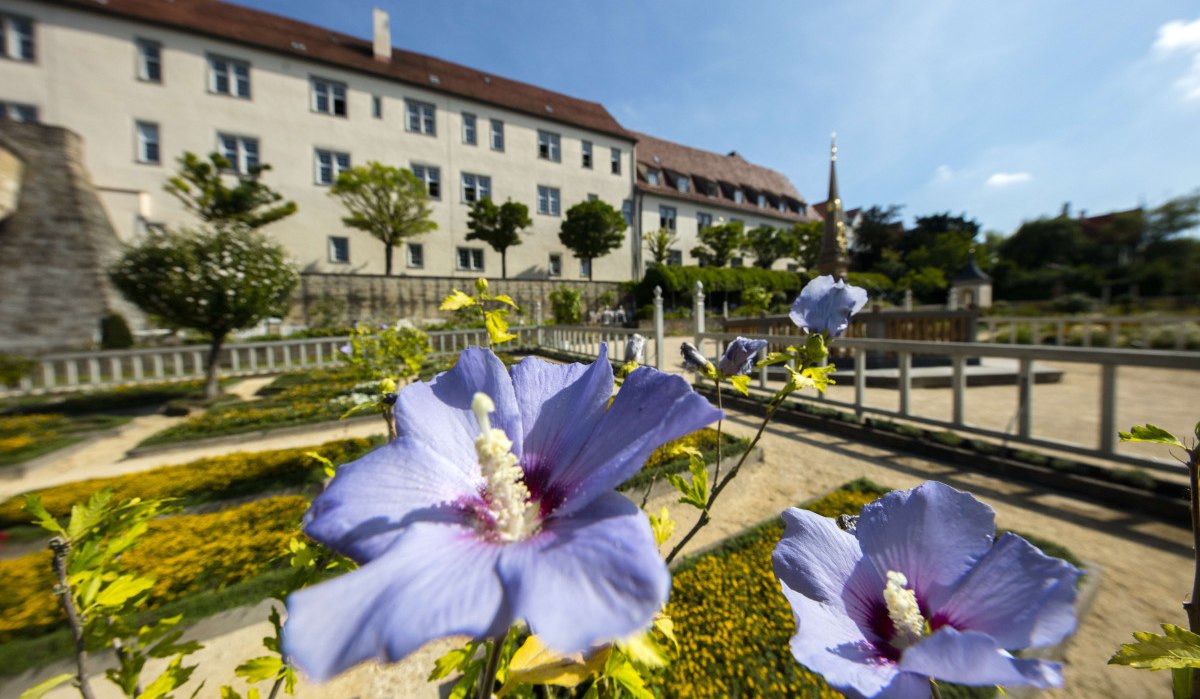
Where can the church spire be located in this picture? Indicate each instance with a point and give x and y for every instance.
(833, 258)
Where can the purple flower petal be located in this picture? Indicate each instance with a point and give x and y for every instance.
(739, 356)
(974, 658)
(371, 500)
(440, 581)
(932, 534)
(825, 305)
(828, 642)
(588, 578)
(651, 409)
(1016, 594)
(906, 685)
(560, 405)
(816, 559)
(439, 412)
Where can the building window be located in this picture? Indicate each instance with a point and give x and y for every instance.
(377, 106)
(801, 208)
(666, 217)
(548, 200)
(16, 38)
(328, 97)
(585, 268)
(228, 77)
(782, 206)
(421, 117)
(339, 249)
(737, 262)
(13, 111)
(616, 161)
(681, 183)
(329, 164)
(497, 135)
(592, 197)
(739, 197)
(432, 177)
(240, 151)
(587, 154)
(675, 258)
(555, 265)
(475, 187)
(652, 177)
(147, 142)
(415, 255)
(470, 259)
(762, 200)
(627, 211)
(549, 146)
(468, 129)
(703, 220)
(149, 67)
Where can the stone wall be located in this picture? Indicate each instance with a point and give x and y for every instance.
(324, 299)
(55, 245)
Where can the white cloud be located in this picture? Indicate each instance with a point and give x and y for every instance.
(1180, 37)
(1004, 179)
(943, 173)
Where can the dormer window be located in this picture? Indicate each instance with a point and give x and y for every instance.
(762, 200)
(652, 177)
(681, 183)
(783, 206)
(739, 197)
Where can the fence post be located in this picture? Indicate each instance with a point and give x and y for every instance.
(1108, 409)
(860, 379)
(659, 340)
(959, 384)
(1025, 399)
(537, 320)
(905, 360)
(699, 313)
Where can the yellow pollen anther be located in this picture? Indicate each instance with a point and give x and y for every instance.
(903, 610)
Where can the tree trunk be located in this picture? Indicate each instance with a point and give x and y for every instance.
(504, 263)
(590, 268)
(211, 386)
(388, 257)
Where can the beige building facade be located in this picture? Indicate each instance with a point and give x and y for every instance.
(144, 82)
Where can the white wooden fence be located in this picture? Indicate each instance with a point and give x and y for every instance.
(1087, 331)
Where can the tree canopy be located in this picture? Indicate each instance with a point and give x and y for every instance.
(659, 244)
(389, 203)
(498, 226)
(201, 186)
(718, 244)
(768, 244)
(592, 229)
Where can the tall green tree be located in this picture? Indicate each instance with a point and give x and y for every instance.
(1046, 241)
(201, 186)
(769, 244)
(808, 237)
(1172, 217)
(498, 226)
(718, 244)
(659, 244)
(213, 280)
(592, 229)
(389, 203)
(879, 229)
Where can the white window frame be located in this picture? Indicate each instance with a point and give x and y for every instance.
(653, 177)
(585, 268)
(474, 259)
(241, 161)
(149, 53)
(236, 73)
(431, 175)
(554, 266)
(739, 197)
(549, 200)
(480, 186)
(333, 250)
(470, 132)
(549, 146)
(420, 117)
(681, 183)
(332, 93)
(761, 200)
(419, 262)
(18, 38)
(498, 135)
(147, 137)
(615, 161)
(586, 148)
(328, 164)
(703, 220)
(19, 111)
(668, 217)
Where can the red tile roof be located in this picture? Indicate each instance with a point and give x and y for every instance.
(732, 169)
(262, 30)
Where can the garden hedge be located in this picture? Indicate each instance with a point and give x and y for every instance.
(682, 280)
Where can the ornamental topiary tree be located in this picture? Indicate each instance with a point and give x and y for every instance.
(498, 226)
(719, 243)
(201, 187)
(389, 203)
(214, 280)
(659, 244)
(592, 229)
(769, 244)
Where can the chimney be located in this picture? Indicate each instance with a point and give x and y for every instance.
(383, 36)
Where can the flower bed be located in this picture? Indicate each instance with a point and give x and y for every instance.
(203, 480)
(672, 457)
(186, 554)
(733, 624)
(23, 437)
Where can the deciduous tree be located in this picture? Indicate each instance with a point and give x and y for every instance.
(389, 203)
(719, 243)
(201, 186)
(498, 226)
(592, 229)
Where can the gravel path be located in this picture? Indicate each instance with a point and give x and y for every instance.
(1146, 565)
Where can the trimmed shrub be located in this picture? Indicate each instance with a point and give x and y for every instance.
(114, 332)
(566, 304)
(682, 280)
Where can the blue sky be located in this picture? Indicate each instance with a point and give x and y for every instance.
(1002, 110)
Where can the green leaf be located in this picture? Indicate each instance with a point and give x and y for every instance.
(39, 689)
(497, 327)
(819, 376)
(778, 357)
(121, 590)
(264, 667)
(360, 408)
(455, 301)
(505, 298)
(662, 525)
(1150, 433)
(741, 384)
(454, 660)
(625, 674)
(1181, 683)
(1178, 648)
(42, 517)
(85, 517)
(171, 678)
